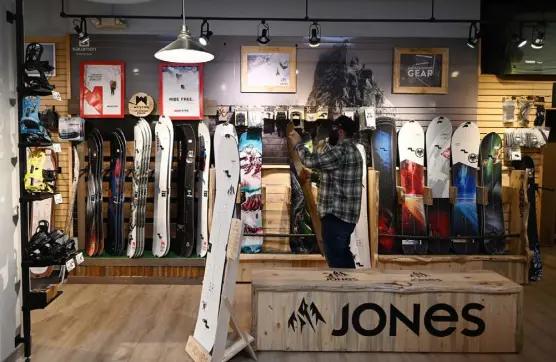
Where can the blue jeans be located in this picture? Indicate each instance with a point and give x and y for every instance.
(335, 239)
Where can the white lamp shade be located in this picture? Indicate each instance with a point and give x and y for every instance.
(184, 50)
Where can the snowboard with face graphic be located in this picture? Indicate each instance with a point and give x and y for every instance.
(465, 160)
(411, 142)
(250, 156)
(383, 146)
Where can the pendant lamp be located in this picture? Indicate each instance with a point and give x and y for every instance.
(184, 49)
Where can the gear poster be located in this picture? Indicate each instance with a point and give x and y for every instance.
(102, 90)
(181, 91)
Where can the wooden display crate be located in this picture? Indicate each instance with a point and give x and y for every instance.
(386, 311)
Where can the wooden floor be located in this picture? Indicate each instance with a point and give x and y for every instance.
(151, 323)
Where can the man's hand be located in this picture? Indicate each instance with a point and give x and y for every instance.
(304, 175)
(294, 138)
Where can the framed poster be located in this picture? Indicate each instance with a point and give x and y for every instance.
(49, 55)
(422, 71)
(268, 69)
(102, 90)
(181, 91)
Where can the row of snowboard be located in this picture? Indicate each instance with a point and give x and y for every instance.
(188, 149)
(453, 159)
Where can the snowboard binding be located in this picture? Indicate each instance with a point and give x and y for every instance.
(38, 86)
(31, 128)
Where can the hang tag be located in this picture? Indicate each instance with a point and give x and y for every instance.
(514, 153)
(56, 96)
(70, 265)
(58, 199)
(79, 258)
(57, 147)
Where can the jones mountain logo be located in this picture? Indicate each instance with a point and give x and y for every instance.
(305, 315)
(473, 158)
(340, 276)
(420, 152)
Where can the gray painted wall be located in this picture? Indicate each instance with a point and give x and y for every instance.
(42, 16)
(222, 76)
(9, 190)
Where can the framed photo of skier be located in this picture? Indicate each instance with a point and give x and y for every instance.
(181, 91)
(420, 70)
(268, 69)
(102, 90)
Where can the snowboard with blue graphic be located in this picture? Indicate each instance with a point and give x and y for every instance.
(250, 156)
(465, 159)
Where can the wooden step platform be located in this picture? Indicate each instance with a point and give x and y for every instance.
(388, 310)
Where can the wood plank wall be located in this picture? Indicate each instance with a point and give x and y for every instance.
(492, 91)
(63, 86)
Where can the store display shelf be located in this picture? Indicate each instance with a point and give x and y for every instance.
(283, 257)
(416, 259)
(144, 262)
(42, 299)
(275, 167)
(45, 263)
(26, 197)
(34, 144)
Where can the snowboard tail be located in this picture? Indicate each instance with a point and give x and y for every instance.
(465, 221)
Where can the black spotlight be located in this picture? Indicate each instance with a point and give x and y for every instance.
(473, 37)
(205, 33)
(314, 35)
(538, 39)
(81, 30)
(263, 33)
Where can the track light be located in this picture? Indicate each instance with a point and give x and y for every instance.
(205, 33)
(473, 37)
(264, 30)
(520, 39)
(538, 39)
(81, 30)
(314, 35)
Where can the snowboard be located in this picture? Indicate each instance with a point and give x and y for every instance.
(43, 210)
(184, 242)
(465, 220)
(99, 192)
(359, 243)
(384, 155)
(490, 157)
(250, 158)
(144, 179)
(203, 189)
(304, 200)
(116, 241)
(535, 271)
(74, 184)
(227, 180)
(411, 142)
(94, 158)
(163, 161)
(439, 137)
(138, 146)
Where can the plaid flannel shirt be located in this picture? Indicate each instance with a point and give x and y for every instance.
(341, 173)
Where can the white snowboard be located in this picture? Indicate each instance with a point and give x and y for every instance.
(359, 243)
(439, 138)
(163, 159)
(227, 179)
(147, 150)
(203, 190)
(133, 236)
(170, 127)
(223, 129)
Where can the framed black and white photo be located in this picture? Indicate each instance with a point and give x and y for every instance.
(49, 55)
(181, 91)
(421, 71)
(268, 69)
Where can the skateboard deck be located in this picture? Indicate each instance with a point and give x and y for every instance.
(306, 187)
(227, 181)
(439, 138)
(359, 243)
(203, 190)
(250, 157)
(465, 158)
(384, 143)
(491, 178)
(411, 142)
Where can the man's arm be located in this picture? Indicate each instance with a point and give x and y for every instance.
(326, 161)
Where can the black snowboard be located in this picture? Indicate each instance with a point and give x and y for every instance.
(115, 242)
(185, 231)
(535, 272)
(384, 156)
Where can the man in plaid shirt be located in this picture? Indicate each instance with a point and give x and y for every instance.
(339, 199)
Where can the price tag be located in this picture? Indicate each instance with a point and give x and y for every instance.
(57, 147)
(79, 258)
(58, 199)
(56, 96)
(70, 265)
